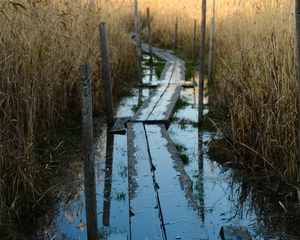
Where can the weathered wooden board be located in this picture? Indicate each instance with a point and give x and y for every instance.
(145, 219)
(234, 233)
(165, 106)
(179, 210)
(188, 85)
(119, 126)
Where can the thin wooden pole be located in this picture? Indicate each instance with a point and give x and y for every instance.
(175, 34)
(202, 63)
(297, 16)
(149, 34)
(194, 40)
(106, 75)
(138, 42)
(87, 138)
(211, 44)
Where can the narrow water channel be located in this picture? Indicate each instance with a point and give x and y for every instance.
(221, 196)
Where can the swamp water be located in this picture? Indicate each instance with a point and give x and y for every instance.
(222, 197)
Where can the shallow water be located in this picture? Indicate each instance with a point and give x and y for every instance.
(214, 187)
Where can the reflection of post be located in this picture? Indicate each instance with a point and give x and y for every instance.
(108, 178)
(201, 172)
(140, 97)
(211, 164)
(89, 168)
(151, 73)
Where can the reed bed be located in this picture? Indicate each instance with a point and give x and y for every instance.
(42, 44)
(256, 78)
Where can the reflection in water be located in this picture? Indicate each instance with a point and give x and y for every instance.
(200, 172)
(140, 97)
(151, 73)
(108, 178)
(90, 201)
(211, 164)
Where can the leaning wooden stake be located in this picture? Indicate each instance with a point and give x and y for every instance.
(211, 44)
(297, 14)
(87, 138)
(201, 62)
(106, 75)
(175, 34)
(149, 34)
(138, 42)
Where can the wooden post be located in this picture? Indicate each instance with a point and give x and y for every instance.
(149, 34)
(297, 16)
(194, 40)
(211, 44)
(175, 34)
(202, 62)
(138, 42)
(106, 75)
(87, 138)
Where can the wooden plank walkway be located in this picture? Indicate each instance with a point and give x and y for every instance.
(161, 201)
(159, 106)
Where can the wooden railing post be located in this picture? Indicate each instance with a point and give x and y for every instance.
(87, 138)
(202, 63)
(297, 18)
(211, 44)
(138, 42)
(149, 34)
(194, 40)
(175, 34)
(106, 75)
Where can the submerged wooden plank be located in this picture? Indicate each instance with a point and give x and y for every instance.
(145, 219)
(234, 233)
(179, 209)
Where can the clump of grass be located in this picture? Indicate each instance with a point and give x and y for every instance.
(182, 155)
(121, 196)
(184, 158)
(180, 148)
(181, 103)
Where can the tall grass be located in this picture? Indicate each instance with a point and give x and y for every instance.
(42, 44)
(257, 81)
